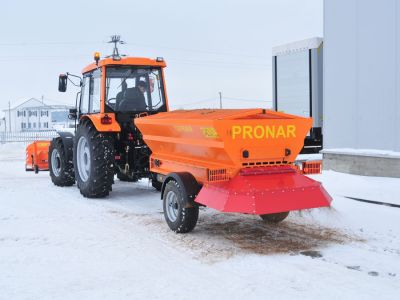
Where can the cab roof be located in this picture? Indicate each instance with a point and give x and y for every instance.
(127, 61)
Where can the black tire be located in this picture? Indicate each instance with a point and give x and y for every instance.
(156, 184)
(186, 217)
(60, 168)
(97, 180)
(275, 218)
(123, 177)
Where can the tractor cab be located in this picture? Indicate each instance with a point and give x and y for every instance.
(121, 88)
(118, 88)
(114, 91)
(127, 86)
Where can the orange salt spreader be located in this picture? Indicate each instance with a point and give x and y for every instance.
(241, 159)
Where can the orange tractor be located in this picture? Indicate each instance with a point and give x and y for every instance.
(229, 160)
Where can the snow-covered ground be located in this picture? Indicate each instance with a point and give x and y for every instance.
(55, 244)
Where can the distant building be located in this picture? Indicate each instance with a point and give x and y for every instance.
(35, 115)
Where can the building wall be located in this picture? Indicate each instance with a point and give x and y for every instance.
(33, 118)
(362, 74)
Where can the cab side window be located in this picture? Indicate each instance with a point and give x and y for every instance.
(84, 105)
(94, 93)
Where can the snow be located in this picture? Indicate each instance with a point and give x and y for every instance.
(55, 244)
(297, 46)
(363, 152)
(308, 157)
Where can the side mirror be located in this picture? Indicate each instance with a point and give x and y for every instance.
(72, 114)
(62, 82)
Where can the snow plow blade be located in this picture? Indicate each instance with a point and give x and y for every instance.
(37, 156)
(264, 191)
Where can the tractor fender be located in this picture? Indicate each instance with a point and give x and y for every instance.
(188, 183)
(68, 142)
(100, 127)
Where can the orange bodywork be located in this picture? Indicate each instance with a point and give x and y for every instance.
(37, 155)
(214, 145)
(96, 120)
(127, 61)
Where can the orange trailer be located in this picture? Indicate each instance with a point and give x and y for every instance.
(242, 160)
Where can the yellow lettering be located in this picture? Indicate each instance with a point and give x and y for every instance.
(210, 132)
(236, 130)
(259, 132)
(247, 131)
(263, 132)
(291, 131)
(270, 132)
(281, 132)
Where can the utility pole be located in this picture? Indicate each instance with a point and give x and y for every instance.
(9, 116)
(220, 100)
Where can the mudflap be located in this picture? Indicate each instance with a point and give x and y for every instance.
(264, 190)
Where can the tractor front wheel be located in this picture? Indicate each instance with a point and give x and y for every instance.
(180, 217)
(93, 161)
(60, 167)
(275, 218)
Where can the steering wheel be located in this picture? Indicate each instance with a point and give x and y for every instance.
(111, 101)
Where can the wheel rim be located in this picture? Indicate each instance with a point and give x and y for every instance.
(56, 162)
(83, 158)
(172, 206)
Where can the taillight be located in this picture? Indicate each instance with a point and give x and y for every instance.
(106, 120)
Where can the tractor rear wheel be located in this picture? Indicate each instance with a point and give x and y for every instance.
(180, 218)
(275, 218)
(93, 161)
(61, 169)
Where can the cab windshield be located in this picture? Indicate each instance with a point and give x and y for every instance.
(134, 89)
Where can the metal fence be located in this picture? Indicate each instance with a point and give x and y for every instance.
(27, 136)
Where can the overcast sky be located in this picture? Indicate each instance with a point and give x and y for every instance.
(209, 45)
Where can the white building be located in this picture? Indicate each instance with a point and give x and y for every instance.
(35, 115)
(362, 86)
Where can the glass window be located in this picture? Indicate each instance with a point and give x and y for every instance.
(293, 83)
(134, 89)
(94, 95)
(84, 104)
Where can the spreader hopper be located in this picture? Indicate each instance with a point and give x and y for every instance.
(242, 158)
